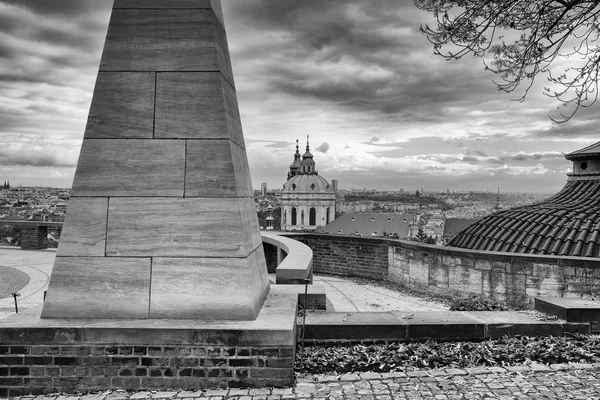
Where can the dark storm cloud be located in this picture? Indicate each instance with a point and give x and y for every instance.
(42, 40)
(323, 148)
(360, 55)
(534, 157)
(470, 159)
(476, 153)
(63, 8)
(42, 158)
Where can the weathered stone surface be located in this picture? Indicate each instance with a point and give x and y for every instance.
(216, 168)
(186, 287)
(84, 233)
(167, 39)
(98, 287)
(162, 177)
(122, 106)
(177, 227)
(196, 105)
(214, 5)
(134, 167)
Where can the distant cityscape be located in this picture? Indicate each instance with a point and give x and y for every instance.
(433, 208)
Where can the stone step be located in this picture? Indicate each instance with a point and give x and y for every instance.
(429, 325)
(571, 310)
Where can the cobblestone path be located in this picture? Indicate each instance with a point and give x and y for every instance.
(580, 381)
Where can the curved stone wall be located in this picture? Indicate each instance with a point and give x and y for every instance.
(514, 278)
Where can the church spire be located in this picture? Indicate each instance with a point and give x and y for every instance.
(295, 167)
(308, 164)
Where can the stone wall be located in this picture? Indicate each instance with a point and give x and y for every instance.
(348, 255)
(34, 237)
(40, 369)
(515, 278)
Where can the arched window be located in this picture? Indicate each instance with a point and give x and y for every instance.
(294, 222)
(327, 217)
(312, 217)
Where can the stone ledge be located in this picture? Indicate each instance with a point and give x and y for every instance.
(570, 309)
(434, 325)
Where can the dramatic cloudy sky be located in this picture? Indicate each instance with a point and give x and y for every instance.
(356, 75)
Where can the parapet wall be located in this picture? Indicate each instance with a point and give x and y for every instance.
(514, 278)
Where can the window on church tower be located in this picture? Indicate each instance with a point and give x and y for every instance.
(312, 216)
(294, 217)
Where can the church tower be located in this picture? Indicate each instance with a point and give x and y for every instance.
(307, 199)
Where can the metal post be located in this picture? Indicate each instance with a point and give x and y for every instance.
(15, 295)
(306, 282)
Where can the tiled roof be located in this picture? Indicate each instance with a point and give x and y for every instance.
(369, 223)
(592, 150)
(567, 224)
(453, 225)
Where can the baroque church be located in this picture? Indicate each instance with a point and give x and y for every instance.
(307, 199)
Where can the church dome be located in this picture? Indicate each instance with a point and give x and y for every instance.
(307, 184)
(566, 224)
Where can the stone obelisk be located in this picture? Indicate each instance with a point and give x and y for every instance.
(162, 221)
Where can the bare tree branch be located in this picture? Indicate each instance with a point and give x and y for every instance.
(544, 28)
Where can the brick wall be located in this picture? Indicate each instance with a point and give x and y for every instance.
(34, 237)
(348, 255)
(37, 369)
(514, 278)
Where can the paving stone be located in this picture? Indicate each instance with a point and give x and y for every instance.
(302, 388)
(140, 395)
(238, 392)
(280, 391)
(539, 367)
(349, 377)
(257, 392)
(370, 375)
(584, 366)
(164, 395)
(328, 378)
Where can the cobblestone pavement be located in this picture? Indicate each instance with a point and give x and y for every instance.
(578, 381)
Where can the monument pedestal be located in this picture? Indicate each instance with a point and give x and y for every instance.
(90, 355)
(160, 279)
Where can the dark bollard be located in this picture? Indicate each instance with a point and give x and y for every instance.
(306, 282)
(15, 295)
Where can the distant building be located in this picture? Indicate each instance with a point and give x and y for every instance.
(307, 199)
(399, 226)
(263, 189)
(566, 224)
(334, 184)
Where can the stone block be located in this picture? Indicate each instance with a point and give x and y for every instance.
(122, 106)
(196, 105)
(570, 310)
(214, 5)
(185, 287)
(339, 326)
(130, 167)
(166, 39)
(190, 227)
(94, 287)
(85, 228)
(216, 168)
(464, 279)
(444, 325)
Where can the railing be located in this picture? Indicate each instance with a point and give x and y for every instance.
(294, 259)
